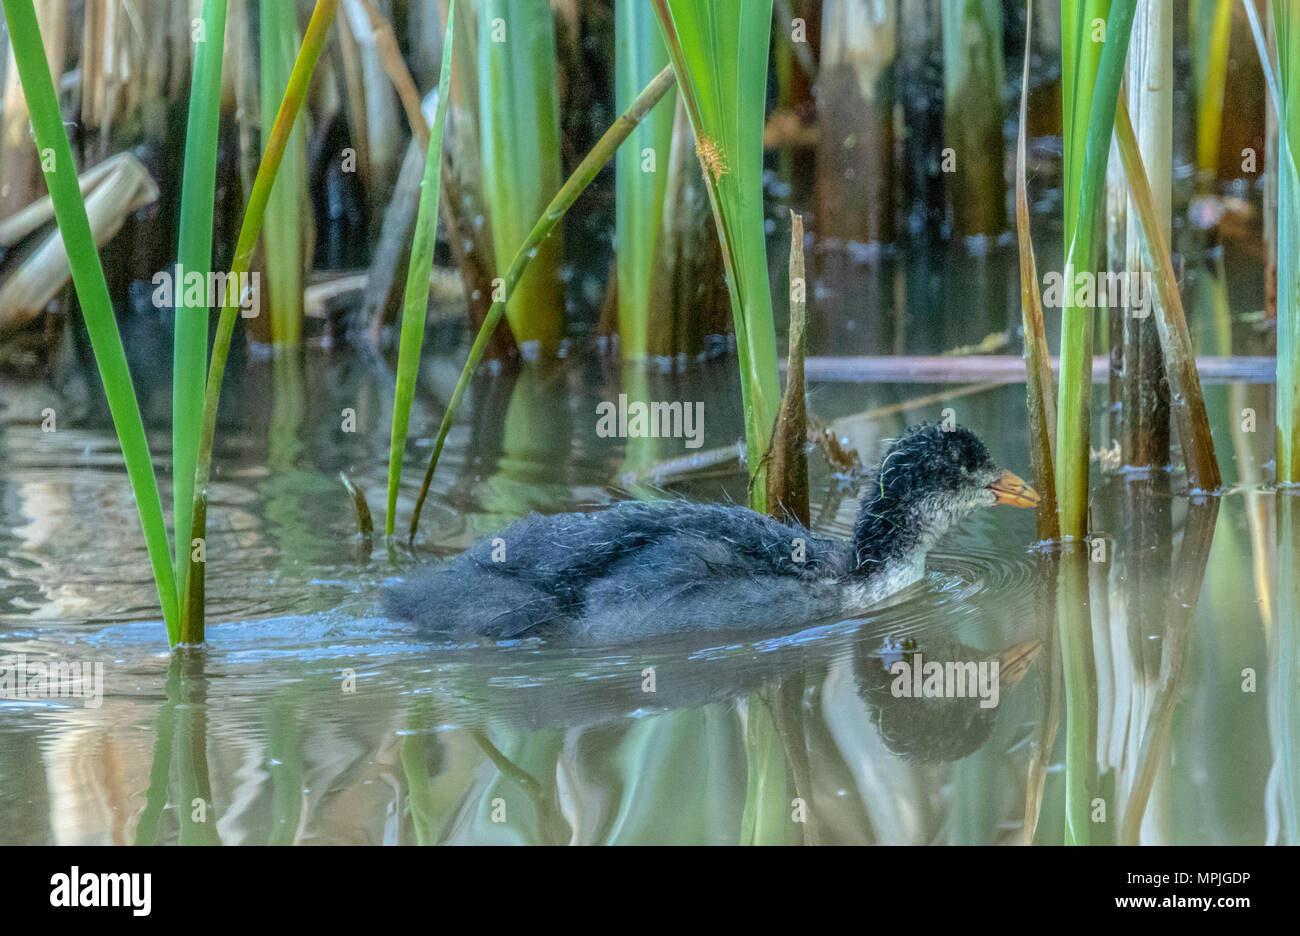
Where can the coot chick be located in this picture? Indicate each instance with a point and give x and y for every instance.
(640, 570)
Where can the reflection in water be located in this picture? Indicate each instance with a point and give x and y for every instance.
(307, 718)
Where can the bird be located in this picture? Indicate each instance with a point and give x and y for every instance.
(644, 570)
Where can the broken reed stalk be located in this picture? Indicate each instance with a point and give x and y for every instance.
(787, 470)
(1139, 396)
(574, 186)
(1040, 395)
(313, 43)
(1187, 401)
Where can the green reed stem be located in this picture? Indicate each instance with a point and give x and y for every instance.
(1074, 407)
(313, 42)
(283, 223)
(574, 186)
(641, 177)
(1287, 22)
(519, 137)
(194, 255)
(92, 291)
(415, 305)
(719, 52)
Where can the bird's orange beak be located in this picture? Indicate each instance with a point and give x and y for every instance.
(1010, 489)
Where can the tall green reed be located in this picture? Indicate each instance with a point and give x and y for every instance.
(1283, 83)
(641, 171)
(519, 134)
(278, 34)
(415, 305)
(1091, 80)
(719, 53)
(191, 624)
(1287, 22)
(194, 255)
(92, 290)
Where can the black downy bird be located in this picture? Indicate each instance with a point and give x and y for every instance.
(642, 570)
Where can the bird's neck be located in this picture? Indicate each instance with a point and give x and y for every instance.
(890, 534)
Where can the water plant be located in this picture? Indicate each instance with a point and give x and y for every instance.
(278, 36)
(519, 137)
(191, 623)
(719, 53)
(1139, 409)
(641, 171)
(194, 255)
(1176, 344)
(1090, 78)
(415, 306)
(1287, 91)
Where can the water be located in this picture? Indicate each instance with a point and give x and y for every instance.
(308, 717)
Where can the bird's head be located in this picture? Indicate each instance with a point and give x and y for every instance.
(929, 479)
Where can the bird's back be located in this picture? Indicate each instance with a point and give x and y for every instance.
(633, 570)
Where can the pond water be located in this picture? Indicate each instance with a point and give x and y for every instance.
(310, 718)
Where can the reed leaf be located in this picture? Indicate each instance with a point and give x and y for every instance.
(1287, 107)
(295, 92)
(194, 255)
(641, 171)
(719, 53)
(1091, 85)
(415, 306)
(1287, 22)
(519, 136)
(283, 223)
(574, 186)
(1188, 403)
(92, 291)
